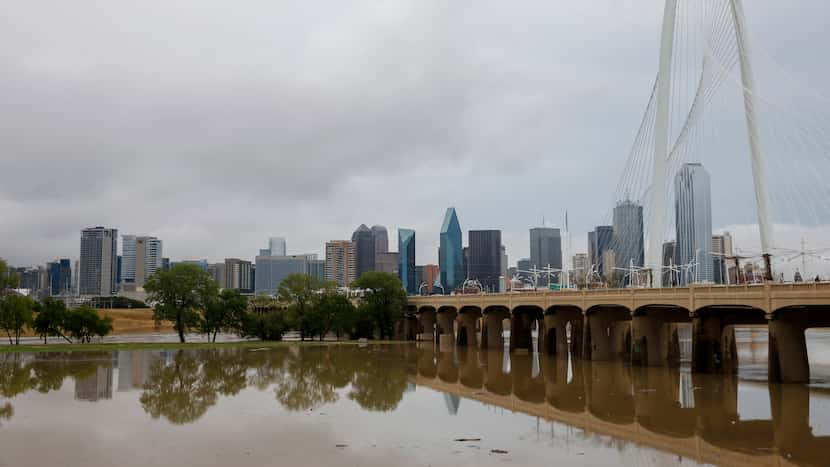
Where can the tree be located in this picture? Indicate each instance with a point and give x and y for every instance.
(51, 319)
(84, 322)
(224, 313)
(178, 295)
(384, 301)
(267, 325)
(336, 313)
(15, 315)
(8, 279)
(300, 290)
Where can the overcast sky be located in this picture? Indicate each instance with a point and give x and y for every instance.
(215, 124)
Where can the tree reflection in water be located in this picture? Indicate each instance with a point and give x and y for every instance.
(180, 392)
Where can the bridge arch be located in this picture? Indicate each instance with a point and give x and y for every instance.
(713, 337)
(523, 319)
(445, 325)
(789, 361)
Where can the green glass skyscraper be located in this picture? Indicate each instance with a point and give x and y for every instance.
(451, 253)
(406, 260)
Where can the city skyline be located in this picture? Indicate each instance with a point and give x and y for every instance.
(476, 129)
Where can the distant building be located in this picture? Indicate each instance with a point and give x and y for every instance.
(545, 250)
(609, 261)
(721, 252)
(504, 280)
(387, 262)
(600, 241)
(364, 244)
(59, 277)
(276, 246)
(523, 265)
(99, 256)
(30, 279)
(670, 276)
(406, 260)
(217, 273)
(141, 258)
(451, 252)
(485, 258)
(272, 270)
(580, 267)
(381, 237)
(693, 223)
(341, 266)
(238, 275)
(165, 264)
(628, 235)
(431, 275)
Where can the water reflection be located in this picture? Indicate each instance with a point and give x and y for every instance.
(690, 415)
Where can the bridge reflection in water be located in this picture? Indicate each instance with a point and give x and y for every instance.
(671, 409)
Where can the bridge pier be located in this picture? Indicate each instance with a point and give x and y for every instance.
(521, 328)
(654, 336)
(492, 329)
(553, 335)
(713, 337)
(787, 356)
(467, 334)
(446, 328)
(607, 333)
(426, 320)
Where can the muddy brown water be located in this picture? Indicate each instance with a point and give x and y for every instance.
(398, 405)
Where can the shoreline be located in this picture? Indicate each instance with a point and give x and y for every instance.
(103, 347)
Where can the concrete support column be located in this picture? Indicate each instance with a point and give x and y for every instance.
(603, 337)
(788, 362)
(713, 346)
(446, 330)
(427, 324)
(493, 331)
(521, 336)
(654, 342)
(467, 335)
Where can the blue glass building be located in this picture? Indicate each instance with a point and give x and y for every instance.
(451, 253)
(406, 260)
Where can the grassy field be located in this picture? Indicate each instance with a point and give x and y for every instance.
(171, 345)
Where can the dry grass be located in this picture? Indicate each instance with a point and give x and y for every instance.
(134, 321)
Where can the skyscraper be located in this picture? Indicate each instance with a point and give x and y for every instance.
(60, 277)
(364, 244)
(271, 270)
(340, 262)
(545, 250)
(99, 253)
(406, 260)
(381, 237)
(600, 241)
(693, 222)
(239, 275)
(141, 258)
(485, 258)
(451, 253)
(628, 235)
(669, 271)
(276, 246)
(580, 267)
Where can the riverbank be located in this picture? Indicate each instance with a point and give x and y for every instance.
(104, 347)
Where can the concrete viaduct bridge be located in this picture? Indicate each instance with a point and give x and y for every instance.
(641, 405)
(636, 324)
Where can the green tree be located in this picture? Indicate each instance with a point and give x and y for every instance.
(8, 278)
(336, 313)
(300, 290)
(15, 316)
(266, 325)
(224, 313)
(84, 323)
(178, 295)
(50, 319)
(384, 301)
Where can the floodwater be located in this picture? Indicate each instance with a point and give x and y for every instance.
(397, 404)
